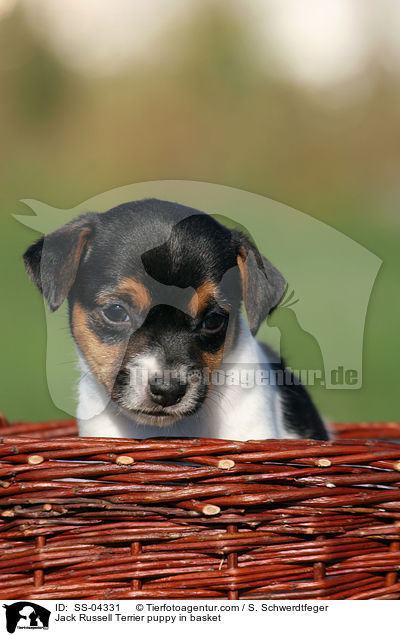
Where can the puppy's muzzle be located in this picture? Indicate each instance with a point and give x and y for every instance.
(167, 392)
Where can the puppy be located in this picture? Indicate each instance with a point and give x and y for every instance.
(154, 292)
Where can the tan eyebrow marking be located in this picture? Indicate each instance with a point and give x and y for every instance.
(206, 292)
(242, 264)
(138, 293)
(104, 359)
(137, 290)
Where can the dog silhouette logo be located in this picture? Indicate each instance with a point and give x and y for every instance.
(26, 615)
(319, 332)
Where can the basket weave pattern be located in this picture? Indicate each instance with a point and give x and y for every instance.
(198, 518)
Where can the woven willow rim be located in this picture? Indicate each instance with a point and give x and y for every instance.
(189, 518)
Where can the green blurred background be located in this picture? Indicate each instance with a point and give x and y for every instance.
(301, 105)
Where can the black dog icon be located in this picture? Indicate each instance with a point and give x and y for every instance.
(27, 615)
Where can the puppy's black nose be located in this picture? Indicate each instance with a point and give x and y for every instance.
(167, 393)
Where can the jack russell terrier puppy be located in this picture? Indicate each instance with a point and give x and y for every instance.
(154, 292)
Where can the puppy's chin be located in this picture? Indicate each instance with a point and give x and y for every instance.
(153, 420)
(161, 419)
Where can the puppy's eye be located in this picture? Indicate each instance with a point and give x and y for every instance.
(213, 323)
(115, 313)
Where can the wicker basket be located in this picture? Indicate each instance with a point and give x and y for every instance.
(198, 518)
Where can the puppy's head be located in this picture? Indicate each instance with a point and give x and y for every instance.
(154, 291)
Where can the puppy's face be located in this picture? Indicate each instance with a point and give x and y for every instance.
(154, 291)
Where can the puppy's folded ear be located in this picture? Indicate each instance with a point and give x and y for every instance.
(52, 262)
(262, 284)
